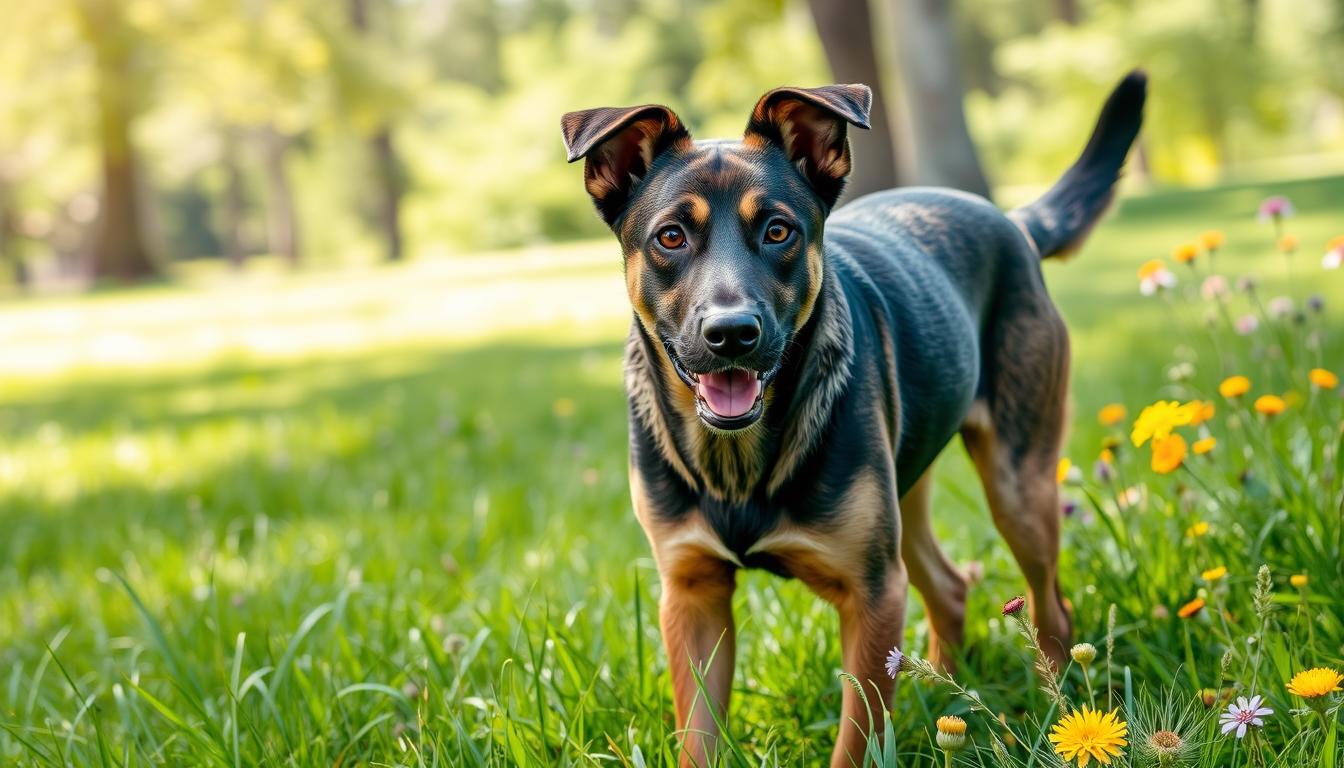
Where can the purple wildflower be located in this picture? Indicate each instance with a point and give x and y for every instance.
(1013, 606)
(1246, 324)
(895, 660)
(1244, 714)
(1275, 208)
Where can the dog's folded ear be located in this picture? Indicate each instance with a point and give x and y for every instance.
(809, 124)
(618, 145)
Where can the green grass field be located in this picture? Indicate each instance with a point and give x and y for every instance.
(382, 518)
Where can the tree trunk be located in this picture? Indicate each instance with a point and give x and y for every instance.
(234, 202)
(9, 236)
(284, 225)
(386, 167)
(1067, 11)
(119, 249)
(927, 52)
(846, 32)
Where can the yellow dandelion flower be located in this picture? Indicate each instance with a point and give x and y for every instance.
(1214, 574)
(1158, 419)
(1202, 412)
(1186, 253)
(1201, 447)
(563, 407)
(1315, 683)
(1062, 470)
(1234, 386)
(1198, 529)
(1298, 580)
(1149, 269)
(1111, 414)
(1270, 405)
(1089, 734)
(1323, 378)
(1212, 240)
(1191, 608)
(1288, 243)
(1168, 453)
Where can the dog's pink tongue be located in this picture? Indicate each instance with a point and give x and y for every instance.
(730, 393)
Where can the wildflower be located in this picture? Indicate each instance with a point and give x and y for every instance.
(1102, 470)
(1214, 574)
(1084, 654)
(1087, 734)
(1316, 303)
(1247, 284)
(1212, 240)
(1153, 276)
(1158, 419)
(1203, 445)
(1246, 325)
(1234, 386)
(1062, 470)
(1168, 453)
(1280, 307)
(1244, 714)
(1111, 414)
(1166, 746)
(1068, 507)
(1275, 208)
(1334, 253)
(1012, 607)
(1323, 378)
(1315, 683)
(1202, 412)
(1191, 608)
(1270, 405)
(895, 662)
(1198, 529)
(951, 733)
(1298, 580)
(1288, 243)
(1186, 253)
(1213, 287)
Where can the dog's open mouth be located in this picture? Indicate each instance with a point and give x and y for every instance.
(730, 399)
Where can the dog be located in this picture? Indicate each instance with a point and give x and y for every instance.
(792, 373)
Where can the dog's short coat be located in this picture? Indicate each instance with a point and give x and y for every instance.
(789, 393)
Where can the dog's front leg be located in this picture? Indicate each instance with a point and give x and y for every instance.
(871, 622)
(697, 622)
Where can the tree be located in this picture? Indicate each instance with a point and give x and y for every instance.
(387, 171)
(845, 29)
(930, 73)
(119, 248)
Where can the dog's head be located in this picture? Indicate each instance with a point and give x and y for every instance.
(722, 239)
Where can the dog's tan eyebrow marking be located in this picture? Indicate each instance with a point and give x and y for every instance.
(750, 204)
(698, 206)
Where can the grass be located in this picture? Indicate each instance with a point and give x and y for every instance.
(241, 528)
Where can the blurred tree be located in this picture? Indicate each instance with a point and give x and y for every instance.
(387, 170)
(846, 31)
(930, 75)
(119, 248)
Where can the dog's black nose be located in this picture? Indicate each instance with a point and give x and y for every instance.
(731, 334)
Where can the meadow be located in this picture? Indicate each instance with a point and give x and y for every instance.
(381, 518)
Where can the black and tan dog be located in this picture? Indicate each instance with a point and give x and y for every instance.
(789, 392)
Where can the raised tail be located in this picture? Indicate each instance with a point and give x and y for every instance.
(1061, 219)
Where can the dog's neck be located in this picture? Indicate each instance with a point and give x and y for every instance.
(735, 466)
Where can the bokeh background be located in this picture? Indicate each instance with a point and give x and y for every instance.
(311, 414)
(141, 136)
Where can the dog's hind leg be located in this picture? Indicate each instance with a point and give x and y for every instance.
(1013, 435)
(942, 587)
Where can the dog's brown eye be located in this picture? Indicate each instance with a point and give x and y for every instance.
(671, 237)
(777, 232)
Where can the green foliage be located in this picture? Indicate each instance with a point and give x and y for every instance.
(423, 554)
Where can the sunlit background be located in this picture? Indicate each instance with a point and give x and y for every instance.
(309, 333)
(145, 138)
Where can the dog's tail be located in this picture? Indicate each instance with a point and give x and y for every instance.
(1060, 221)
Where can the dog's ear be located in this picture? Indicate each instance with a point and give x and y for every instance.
(618, 145)
(809, 124)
